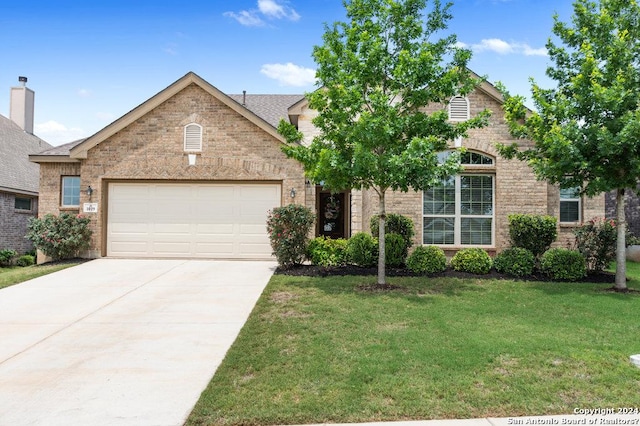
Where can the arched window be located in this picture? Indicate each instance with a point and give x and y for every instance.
(193, 137)
(460, 210)
(459, 108)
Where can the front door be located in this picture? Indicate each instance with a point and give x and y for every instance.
(332, 214)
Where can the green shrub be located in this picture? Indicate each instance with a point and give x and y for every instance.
(472, 260)
(516, 261)
(535, 233)
(427, 260)
(25, 260)
(288, 229)
(324, 251)
(596, 240)
(395, 224)
(395, 250)
(60, 237)
(563, 264)
(6, 257)
(362, 250)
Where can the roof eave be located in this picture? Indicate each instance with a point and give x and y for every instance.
(36, 158)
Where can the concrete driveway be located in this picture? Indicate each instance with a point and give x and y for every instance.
(120, 342)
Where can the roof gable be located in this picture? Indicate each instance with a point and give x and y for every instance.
(80, 150)
(17, 172)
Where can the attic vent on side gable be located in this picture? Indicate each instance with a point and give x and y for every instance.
(459, 108)
(193, 137)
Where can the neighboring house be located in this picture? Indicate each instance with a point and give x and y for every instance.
(192, 173)
(631, 209)
(18, 176)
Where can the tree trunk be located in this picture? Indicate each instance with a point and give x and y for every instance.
(382, 215)
(621, 258)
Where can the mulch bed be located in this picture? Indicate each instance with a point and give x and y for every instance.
(326, 271)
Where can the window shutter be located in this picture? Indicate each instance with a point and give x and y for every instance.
(459, 109)
(193, 137)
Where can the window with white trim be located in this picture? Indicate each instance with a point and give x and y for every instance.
(460, 210)
(570, 205)
(70, 196)
(459, 108)
(193, 137)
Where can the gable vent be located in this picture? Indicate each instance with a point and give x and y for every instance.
(193, 137)
(459, 109)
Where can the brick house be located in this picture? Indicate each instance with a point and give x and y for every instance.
(18, 176)
(192, 172)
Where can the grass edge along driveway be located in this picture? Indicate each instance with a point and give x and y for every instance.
(16, 275)
(318, 350)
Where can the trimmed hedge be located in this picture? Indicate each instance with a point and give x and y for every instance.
(324, 251)
(427, 260)
(535, 233)
(362, 250)
(516, 261)
(472, 260)
(563, 264)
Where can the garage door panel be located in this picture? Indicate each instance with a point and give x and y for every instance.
(190, 220)
(213, 249)
(131, 247)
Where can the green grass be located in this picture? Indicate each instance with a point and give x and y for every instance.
(15, 275)
(318, 350)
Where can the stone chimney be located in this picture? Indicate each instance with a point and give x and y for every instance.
(22, 106)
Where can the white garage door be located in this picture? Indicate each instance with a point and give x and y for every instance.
(190, 220)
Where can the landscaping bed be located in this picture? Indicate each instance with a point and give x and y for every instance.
(346, 270)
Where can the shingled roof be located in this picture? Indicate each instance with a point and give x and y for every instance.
(17, 173)
(271, 108)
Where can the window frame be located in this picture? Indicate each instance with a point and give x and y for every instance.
(188, 143)
(575, 199)
(480, 170)
(18, 209)
(64, 186)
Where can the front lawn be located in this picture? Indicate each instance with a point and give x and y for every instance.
(15, 275)
(321, 350)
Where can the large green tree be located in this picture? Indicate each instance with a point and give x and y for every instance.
(376, 73)
(586, 131)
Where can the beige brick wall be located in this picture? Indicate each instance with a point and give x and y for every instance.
(516, 188)
(151, 148)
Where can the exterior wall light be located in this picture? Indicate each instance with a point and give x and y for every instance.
(292, 193)
(89, 190)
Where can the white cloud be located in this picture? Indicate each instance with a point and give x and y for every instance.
(84, 93)
(273, 9)
(270, 9)
(246, 18)
(56, 133)
(504, 48)
(494, 45)
(290, 74)
(530, 51)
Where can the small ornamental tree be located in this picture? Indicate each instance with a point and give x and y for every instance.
(377, 72)
(288, 228)
(586, 131)
(60, 237)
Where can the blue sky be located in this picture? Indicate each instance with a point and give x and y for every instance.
(91, 62)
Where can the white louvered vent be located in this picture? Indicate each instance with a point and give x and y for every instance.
(193, 137)
(459, 109)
